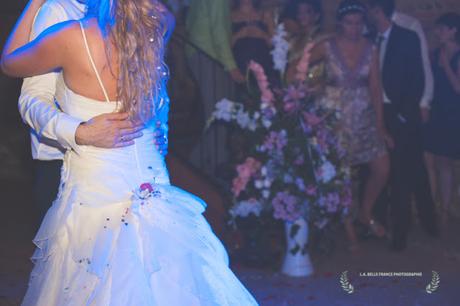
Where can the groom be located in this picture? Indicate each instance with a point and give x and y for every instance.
(403, 84)
(52, 131)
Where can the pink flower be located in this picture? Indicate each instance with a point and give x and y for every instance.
(256, 67)
(299, 160)
(262, 82)
(294, 93)
(311, 119)
(146, 186)
(302, 67)
(267, 97)
(245, 172)
(238, 186)
(290, 107)
(311, 190)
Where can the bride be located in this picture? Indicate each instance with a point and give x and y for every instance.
(118, 232)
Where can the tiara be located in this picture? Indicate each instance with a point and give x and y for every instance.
(351, 7)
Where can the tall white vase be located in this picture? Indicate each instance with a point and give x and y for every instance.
(297, 262)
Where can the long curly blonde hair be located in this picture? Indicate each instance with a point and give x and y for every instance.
(136, 29)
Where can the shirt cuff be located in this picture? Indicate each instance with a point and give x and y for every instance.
(66, 129)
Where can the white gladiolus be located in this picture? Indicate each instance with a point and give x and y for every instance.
(281, 48)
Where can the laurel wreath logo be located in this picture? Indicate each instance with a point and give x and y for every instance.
(346, 286)
(434, 284)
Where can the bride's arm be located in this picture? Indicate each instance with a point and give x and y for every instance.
(21, 58)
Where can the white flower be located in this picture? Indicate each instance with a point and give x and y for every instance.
(243, 119)
(300, 184)
(267, 183)
(288, 178)
(281, 48)
(266, 123)
(259, 184)
(245, 208)
(266, 194)
(264, 171)
(327, 172)
(252, 125)
(224, 110)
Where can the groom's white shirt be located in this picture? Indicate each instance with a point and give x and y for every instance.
(52, 131)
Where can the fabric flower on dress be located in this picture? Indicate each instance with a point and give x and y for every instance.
(147, 190)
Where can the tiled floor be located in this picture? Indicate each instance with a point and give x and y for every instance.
(424, 254)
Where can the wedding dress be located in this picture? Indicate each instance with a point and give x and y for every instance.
(119, 234)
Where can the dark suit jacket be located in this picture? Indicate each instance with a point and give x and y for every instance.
(402, 73)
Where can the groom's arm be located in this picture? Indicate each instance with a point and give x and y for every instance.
(36, 103)
(38, 109)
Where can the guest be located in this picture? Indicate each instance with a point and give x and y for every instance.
(303, 18)
(403, 83)
(252, 30)
(443, 127)
(411, 23)
(289, 16)
(212, 64)
(208, 27)
(353, 88)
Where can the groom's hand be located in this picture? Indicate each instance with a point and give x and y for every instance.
(108, 131)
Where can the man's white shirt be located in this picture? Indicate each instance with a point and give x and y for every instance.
(411, 23)
(383, 49)
(53, 132)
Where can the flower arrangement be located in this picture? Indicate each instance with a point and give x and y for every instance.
(293, 167)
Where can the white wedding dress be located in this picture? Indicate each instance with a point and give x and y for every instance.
(106, 242)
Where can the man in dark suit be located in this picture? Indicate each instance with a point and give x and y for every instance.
(403, 85)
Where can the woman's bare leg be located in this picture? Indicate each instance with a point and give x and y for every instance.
(432, 174)
(374, 185)
(446, 175)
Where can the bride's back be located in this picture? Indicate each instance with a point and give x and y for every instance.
(79, 74)
(121, 45)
